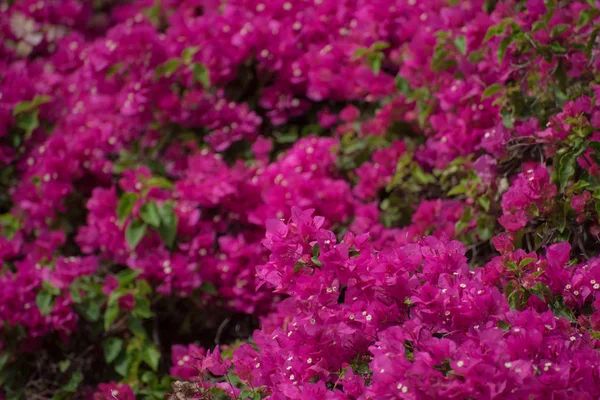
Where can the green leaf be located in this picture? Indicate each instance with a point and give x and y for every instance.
(424, 113)
(142, 287)
(50, 288)
(45, 302)
(551, 7)
(499, 29)
(560, 310)
(111, 313)
(585, 16)
(461, 188)
(360, 52)
(542, 292)
(561, 76)
(27, 106)
(75, 294)
(201, 74)
(284, 138)
(494, 30)
(5, 357)
(73, 383)
(10, 225)
(28, 122)
(64, 365)
(208, 287)
(188, 53)
(557, 48)
(379, 46)
(594, 146)
(316, 250)
(591, 41)
(112, 348)
(558, 30)
(147, 377)
(503, 47)
(91, 310)
(580, 185)
(151, 356)
(465, 221)
(135, 232)
(142, 308)
(421, 177)
(375, 61)
(566, 169)
(484, 202)
(316, 261)
(561, 223)
(127, 276)
(440, 60)
(123, 363)
(116, 294)
(126, 204)
(475, 56)
(526, 261)
(113, 70)
(149, 214)
(461, 44)
(159, 182)
(168, 68)
(135, 326)
(492, 90)
(538, 26)
(505, 326)
(154, 13)
(168, 224)
(402, 84)
(514, 300)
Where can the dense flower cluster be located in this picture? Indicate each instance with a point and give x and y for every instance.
(434, 327)
(405, 193)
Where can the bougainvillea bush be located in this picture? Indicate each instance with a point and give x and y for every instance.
(304, 199)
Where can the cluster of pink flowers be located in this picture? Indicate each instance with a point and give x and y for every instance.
(425, 323)
(527, 197)
(377, 145)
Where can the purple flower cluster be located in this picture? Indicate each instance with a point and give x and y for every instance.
(405, 193)
(420, 320)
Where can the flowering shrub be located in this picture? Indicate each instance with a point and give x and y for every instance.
(255, 199)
